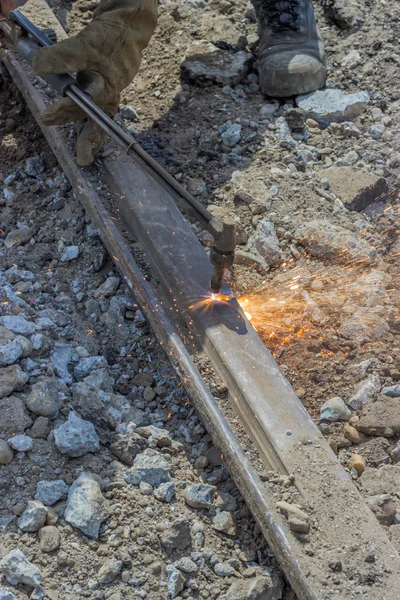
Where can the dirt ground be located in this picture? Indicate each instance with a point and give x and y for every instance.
(325, 301)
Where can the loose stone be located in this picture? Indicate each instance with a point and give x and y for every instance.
(335, 410)
(76, 437)
(50, 492)
(16, 568)
(21, 443)
(49, 538)
(6, 453)
(199, 495)
(86, 506)
(33, 517)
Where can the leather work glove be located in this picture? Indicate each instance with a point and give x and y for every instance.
(106, 56)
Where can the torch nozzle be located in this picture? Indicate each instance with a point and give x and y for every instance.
(217, 279)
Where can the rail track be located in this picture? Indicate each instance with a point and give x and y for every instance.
(342, 530)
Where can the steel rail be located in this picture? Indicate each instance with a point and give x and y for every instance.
(260, 503)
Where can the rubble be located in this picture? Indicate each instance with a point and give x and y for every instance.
(86, 507)
(76, 436)
(327, 106)
(381, 418)
(149, 466)
(356, 189)
(327, 241)
(50, 492)
(16, 568)
(46, 398)
(49, 538)
(366, 392)
(334, 410)
(205, 64)
(33, 517)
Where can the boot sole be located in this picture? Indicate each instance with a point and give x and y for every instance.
(278, 84)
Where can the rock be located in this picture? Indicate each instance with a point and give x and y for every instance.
(346, 15)
(149, 466)
(16, 568)
(351, 434)
(177, 537)
(325, 240)
(69, 253)
(6, 595)
(334, 410)
(40, 429)
(376, 131)
(383, 508)
(366, 392)
(10, 350)
(344, 130)
(326, 106)
(381, 418)
(61, 357)
(298, 520)
(224, 570)
(224, 522)
(109, 571)
(394, 534)
(356, 462)
(87, 365)
(385, 480)
(76, 437)
(199, 495)
(108, 288)
(186, 565)
(49, 538)
(205, 64)
(351, 60)
(20, 236)
(165, 492)
(266, 243)
(6, 453)
(296, 119)
(176, 581)
(362, 326)
(393, 391)
(127, 446)
(50, 492)
(34, 166)
(255, 588)
(46, 397)
(197, 187)
(270, 108)
(282, 131)
(231, 136)
(21, 443)
(92, 404)
(395, 453)
(14, 416)
(18, 325)
(33, 517)
(143, 379)
(128, 112)
(375, 451)
(101, 379)
(225, 501)
(11, 378)
(355, 188)
(86, 507)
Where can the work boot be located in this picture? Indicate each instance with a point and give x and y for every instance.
(291, 52)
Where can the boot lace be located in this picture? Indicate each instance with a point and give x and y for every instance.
(282, 15)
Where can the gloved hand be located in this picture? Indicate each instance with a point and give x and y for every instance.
(106, 56)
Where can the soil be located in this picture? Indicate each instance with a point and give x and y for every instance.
(307, 329)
